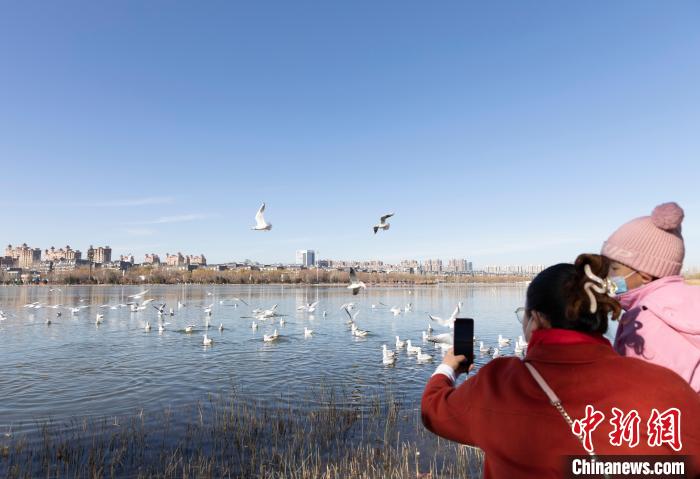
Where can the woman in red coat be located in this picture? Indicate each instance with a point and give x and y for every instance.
(616, 405)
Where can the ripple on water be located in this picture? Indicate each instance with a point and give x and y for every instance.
(74, 368)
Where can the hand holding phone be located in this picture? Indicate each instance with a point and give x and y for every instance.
(464, 339)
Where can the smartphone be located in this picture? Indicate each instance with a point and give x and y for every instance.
(464, 338)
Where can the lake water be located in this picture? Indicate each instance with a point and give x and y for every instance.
(75, 368)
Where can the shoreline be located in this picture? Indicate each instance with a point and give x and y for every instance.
(141, 276)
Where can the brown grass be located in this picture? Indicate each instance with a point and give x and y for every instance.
(234, 438)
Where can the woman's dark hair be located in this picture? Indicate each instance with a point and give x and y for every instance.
(558, 293)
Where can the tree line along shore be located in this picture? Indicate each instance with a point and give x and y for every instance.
(150, 275)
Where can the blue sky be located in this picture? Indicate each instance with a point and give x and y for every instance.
(504, 132)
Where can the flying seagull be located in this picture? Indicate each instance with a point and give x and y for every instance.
(355, 284)
(139, 295)
(383, 225)
(450, 322)
(260, 223)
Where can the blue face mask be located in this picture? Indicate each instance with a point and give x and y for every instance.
(620, 283)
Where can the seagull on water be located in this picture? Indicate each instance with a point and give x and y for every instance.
(271, 337)
(387, 352)
(207, 341)
(355, 284)
(423, 356)
(388, 356)
(260, 223)
(411, 349)
(383, 225)
(308, 332)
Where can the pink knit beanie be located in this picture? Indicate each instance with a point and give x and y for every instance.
(650, 244)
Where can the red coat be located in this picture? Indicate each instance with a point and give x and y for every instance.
(504, 412)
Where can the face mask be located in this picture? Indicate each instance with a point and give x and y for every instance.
(621, 283)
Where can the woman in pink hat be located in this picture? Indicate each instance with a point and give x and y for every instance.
(661, 323)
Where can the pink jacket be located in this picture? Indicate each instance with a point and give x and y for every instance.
(661, 325)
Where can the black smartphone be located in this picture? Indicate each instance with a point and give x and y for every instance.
(464, 338)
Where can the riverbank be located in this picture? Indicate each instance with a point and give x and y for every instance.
(337, 438)
(150, 275)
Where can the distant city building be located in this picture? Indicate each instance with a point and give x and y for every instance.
(129, 258)
(63, 254)
(306, 257)
(199, 260)
(151, 258)
(459, 266)
(23, 256)
(99, 255)
(432, 266)
(175, 259)
(410, 266)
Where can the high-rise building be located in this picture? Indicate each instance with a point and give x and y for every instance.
(432, 266)
(175, 259)
(151, 258)
(63, 254)
(197, 259)
(459, 266)
(306, 257)
(24, 256)
(99, 255)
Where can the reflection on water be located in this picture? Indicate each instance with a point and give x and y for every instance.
(74, 367)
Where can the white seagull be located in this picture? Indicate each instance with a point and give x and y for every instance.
(308, 332)
(260, 223)
(445, 338)
(139, 295)
(383, 225)
(502, 342)
(355, 284)
(310, 307)
(207, 341)
(388, 352)
(411, 349)
(270, 337)
(423, 357)
(450, 322)
(388, 357)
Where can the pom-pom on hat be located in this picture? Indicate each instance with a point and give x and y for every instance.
(650, 244)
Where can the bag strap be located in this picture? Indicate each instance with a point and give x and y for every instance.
(556, 402)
